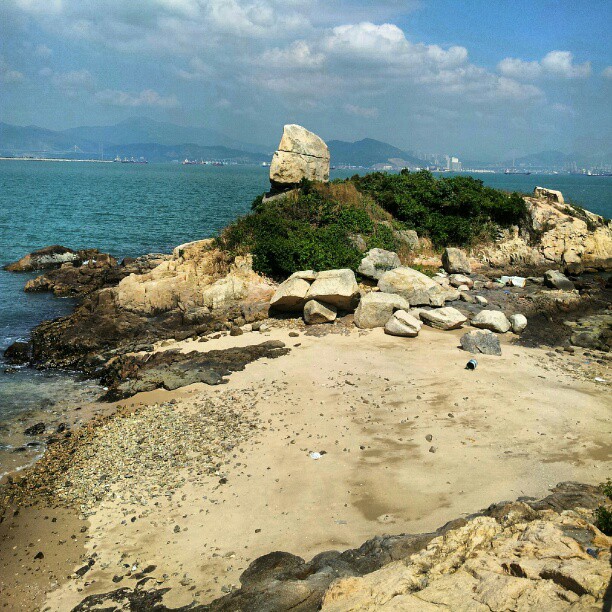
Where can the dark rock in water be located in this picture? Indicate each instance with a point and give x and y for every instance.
(280, 581)
(171, 369)
(18, 353)
(35, 430)
(44, 259)
(91, 271)
(481, 341)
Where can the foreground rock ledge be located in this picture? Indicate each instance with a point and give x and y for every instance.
(524, 555)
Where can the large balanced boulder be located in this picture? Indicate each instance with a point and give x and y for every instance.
(443, 318)
(413, 285)
(455, 261)
(376, 308)
(290, 294)
(377, 262)
(558, 280)
(336, 287)
(492, 319)
(481, 341)
(403, 324)
(318, 312)
(301, 154)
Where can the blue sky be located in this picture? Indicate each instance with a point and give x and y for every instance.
(484, 80)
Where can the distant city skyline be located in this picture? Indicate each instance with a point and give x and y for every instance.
(476, 79)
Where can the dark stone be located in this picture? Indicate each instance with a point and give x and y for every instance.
(35, 430)
(18, 353)
(481, 341)
(171, 369)
(39, 555)
(236, 331)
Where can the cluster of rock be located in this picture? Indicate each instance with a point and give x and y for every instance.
(403, 300)
(523, 555)
(554, 234)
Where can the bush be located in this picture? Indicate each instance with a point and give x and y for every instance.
(458, 210)
(308, 230)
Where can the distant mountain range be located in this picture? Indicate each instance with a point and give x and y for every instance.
(164, 142)
(369, 152)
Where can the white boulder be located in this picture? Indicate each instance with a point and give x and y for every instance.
(417, 288)
(518, 323)
(403, 324)
(443, 318)
(336, 287)
(376, 308)
(377, 262)
(492, 319)
(318, 312)
(290, 294)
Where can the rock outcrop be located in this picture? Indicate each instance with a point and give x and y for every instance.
(524, 555)
(301, 154)
(549, 194)
(192, 292)
(554, 233)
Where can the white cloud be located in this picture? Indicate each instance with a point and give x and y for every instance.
(73, 81)
(8, 75)
(518, 69)
(360, 111)
(559, 64)
(297, 55)
(607, 72)
(43, 51)
(147, 97)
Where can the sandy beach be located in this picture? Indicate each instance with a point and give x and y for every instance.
(407, 440)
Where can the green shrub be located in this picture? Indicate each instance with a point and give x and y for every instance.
(308, 230)
(458, 210)
(603, 520)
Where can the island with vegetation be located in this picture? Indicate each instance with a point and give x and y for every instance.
(299, 383)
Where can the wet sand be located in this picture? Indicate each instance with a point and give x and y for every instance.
(367, 403)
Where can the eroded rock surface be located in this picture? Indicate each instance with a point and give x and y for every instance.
(524, 555)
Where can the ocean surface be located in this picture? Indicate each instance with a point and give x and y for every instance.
(129, 210)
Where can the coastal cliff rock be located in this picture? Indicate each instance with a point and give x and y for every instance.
(555, 232)
(193, 291)
(523, 555)
(301, 154)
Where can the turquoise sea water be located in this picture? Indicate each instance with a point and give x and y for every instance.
(130, 210)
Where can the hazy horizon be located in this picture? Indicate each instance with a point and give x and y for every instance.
(472, 79)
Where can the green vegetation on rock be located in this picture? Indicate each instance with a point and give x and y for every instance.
(454, 211)
(315, 227)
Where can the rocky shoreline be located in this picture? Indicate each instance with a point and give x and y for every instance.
(236, 379)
